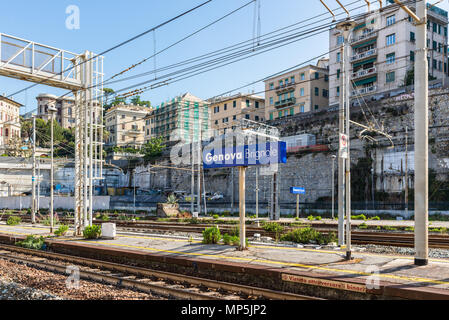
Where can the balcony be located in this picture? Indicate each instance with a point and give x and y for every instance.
(285, 102)
(134, 131)
(366, 90)
(363, 73)
(364, 55)
(364, 37)
(285, 87)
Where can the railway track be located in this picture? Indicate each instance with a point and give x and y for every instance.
(165, 284)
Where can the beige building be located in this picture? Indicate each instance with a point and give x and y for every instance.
(9, 120)
(301, 90)
(65, 115)
(179, 119)
(383, 49)
(126, 125)
(226, 112)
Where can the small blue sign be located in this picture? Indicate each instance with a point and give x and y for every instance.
(297, 190)
(244, 156)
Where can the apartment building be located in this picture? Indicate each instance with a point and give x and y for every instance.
(65, 115)
(301, 90)
(9, 120)
(126, 125)
(226, 112)
(179, 119)
(383, 50)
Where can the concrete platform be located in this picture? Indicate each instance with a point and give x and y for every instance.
(394, 276)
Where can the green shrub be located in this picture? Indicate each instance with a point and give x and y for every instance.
(235, 231)
(374, 218)
(296, 219)
(273, 227)
(227, 239)
(410, 229)
(92, 232)
(211, 235)
(363, 226)
(103, 217)
(32, 242)
(307, 235)
(62, 230)
(311, 218)
(13, 221)
(215, 216)
(359, 217)
(318, 218)
(171, 199)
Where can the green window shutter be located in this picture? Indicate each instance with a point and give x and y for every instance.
(365, 81)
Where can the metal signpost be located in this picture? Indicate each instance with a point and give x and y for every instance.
(297, 191)
(243, 157)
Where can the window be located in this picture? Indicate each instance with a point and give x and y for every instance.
(326, 78)
(434, 45)
(271, 86)
(285, 113)
(316, 107)
(391, 58)
(434, 64)
(271, 116)
(412, 37)
(317, 91)
(303, 76)
(317, 75)
(391, 39)
(234, 117)
(325, 93)
(338, 91)
(412, 56)
(292, 94)
(340, 40)
(434, 29)
(439, 29)
(338, 73)
(271, 101)
(257, 104)
(292, 79)
(391, 20)
(301, 108)
(390, 77)
(247, 116)
(292, 111)
(301, 92)
(256, 118)
(338, 56)
(234, 104)
(225, 106)
(216, 121)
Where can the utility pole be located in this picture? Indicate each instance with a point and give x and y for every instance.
(346, 28)
(192, 189)
(198, 202)
(232, 191)
(33, 179)
(406, 172)
(52, 110)
(333, 185)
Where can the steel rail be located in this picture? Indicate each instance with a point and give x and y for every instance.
(144, 272)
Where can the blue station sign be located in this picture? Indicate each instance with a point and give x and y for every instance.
(244, 156)
(297, 190)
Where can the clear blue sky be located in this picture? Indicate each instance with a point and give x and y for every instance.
(105, 23)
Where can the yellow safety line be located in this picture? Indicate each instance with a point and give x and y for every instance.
(417, 279)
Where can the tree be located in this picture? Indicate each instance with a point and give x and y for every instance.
(153, 148)
(136, 101)
(410, 77)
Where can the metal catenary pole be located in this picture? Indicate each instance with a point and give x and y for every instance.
(33, 179)
(341, 162)
(421, 138)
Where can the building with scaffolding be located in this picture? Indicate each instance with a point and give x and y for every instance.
(226, 112)
(179, 119)
(383, 49)
(301, 90)
(10, 127)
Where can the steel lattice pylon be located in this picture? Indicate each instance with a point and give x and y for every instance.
(88, 137)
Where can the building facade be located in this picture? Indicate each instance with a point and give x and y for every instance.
(383, 49)
(65, 106)
(179, 119)
(10, 127)
(302, 90)
(126, 125)
(226, 112)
